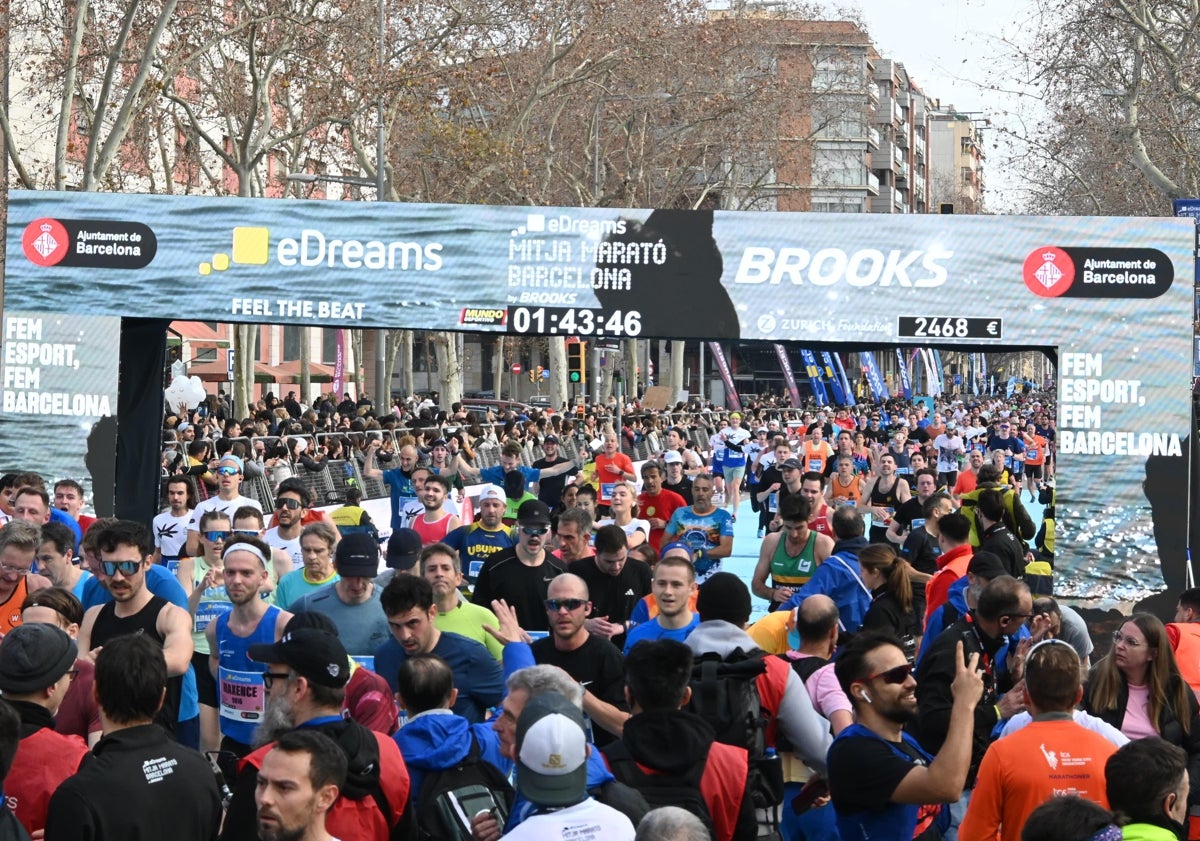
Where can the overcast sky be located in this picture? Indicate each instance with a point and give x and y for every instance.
(953, 50)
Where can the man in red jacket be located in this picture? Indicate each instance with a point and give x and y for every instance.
(306, 681)
(662, 740)
(37, 664)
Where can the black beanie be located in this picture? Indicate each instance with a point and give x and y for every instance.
(724, 596)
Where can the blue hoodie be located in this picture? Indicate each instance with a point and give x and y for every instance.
(439, 739)
(956, 596)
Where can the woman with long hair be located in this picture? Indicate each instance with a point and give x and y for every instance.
(893, 608)
(1138, 689)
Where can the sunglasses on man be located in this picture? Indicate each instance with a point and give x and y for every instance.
(126, 568)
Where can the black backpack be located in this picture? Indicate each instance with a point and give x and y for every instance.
(449, 798)
(725, 694)
(661, 789)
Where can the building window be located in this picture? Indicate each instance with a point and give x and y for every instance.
(292, 337)
(329, 345)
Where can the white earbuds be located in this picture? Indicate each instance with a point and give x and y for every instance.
(865, 696)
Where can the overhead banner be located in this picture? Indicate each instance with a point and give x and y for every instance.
(789, 378)
(732, 400)
(830, 373)
(905, 382)
(814, 376)
(1113, 296)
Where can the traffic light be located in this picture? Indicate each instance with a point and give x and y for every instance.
(577, 362)
(532, 377)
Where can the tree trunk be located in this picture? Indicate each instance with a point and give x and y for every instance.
(558, 372)
(676, 380)
(445, 346)
(499, 367)
(629, 350)
(305, 362)
(406, 362)
(243, 367)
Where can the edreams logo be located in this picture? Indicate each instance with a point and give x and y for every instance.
(88, 243)
(1053, 272)
(252, 247)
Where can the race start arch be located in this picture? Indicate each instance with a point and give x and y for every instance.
(91, 279)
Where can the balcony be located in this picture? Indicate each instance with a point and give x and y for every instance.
(883, 157)
(872, 183)
(902, 139)
(872, 92)
(872, 137)
(902, 173)
(919, 146)
(903, 99)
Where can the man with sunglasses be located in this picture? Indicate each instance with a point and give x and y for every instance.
(1003, 607)
(305, 679)
(227, 500)
(589, 658)
(125, 549)
(291, 505)
(885, 785)
(1052, 756)
(521, 575)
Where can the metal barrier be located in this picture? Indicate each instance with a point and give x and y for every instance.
(329, 483)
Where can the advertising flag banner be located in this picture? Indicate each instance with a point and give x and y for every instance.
(789, 378)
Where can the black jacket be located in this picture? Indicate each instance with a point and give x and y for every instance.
(139, 786)
(1169, 728)
(936, 672)
(672, 742)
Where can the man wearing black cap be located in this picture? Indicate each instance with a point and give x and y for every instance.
(306, 681)
(724, 608)
(403, 549)
(352, 602)
(37, 665)
(550, 488)
(521, 576)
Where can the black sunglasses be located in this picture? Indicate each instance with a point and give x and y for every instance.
(896, 675)
(555, 605)
(270, 677)
(290, 504)
(126, 568)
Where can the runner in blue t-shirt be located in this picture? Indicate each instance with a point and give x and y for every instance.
(708, 530)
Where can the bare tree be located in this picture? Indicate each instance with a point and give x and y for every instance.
(1120, 90)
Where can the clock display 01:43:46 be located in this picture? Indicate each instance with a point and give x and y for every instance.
(574, 321)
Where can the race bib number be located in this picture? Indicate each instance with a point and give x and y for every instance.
(473, 569)
(365, 660)
(207, 611)
(816, 465)
(1031, 454)
(773, 502)
(606, 489)
(243, 695)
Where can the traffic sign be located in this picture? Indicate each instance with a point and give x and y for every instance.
(545, 373)
(516, 367)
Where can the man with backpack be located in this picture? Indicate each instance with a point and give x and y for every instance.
(781, 703)
(455, 767)
(306, 681)
(672, 756)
